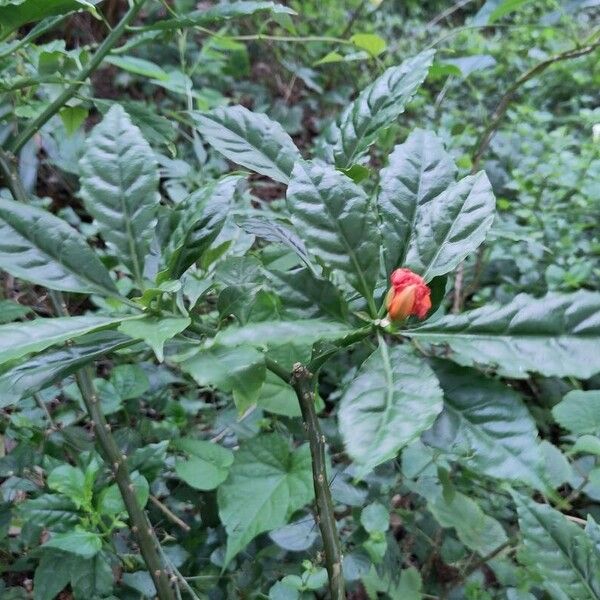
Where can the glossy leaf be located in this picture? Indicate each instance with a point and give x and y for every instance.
(43, 370)
(249, 139)
(557, 334)
(207, 465)
(335, 218)
(20, 13)
(376, 107)
(393, 398)
(155, 331)
(558, 550)
(579, 412)
(487, 424)
(20, 339)
(37, 246)
(119, 187)
(200, 220)
(267, 483)
(78, 541)
(418, 172)
(50, 511)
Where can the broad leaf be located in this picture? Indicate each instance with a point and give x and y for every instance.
(238, 370)
(475, 529)
(579, 412)
(111, 502)
(336, 220)
(12, 311)
(119, 187)
(50, 511)
(394, 397)
(155, 331)
(93, 577)
(376, 107)
(555, 335)
(19, 339)
(17, 14)
(267, 483)
(207, 466)
(279, 333)
(249, 139)
(487, 425)
(37, 246)
(71, 482)
(200, 220)
(418, 172)
(52, 575)
(45, 369)
(558, 550)
(78, 541)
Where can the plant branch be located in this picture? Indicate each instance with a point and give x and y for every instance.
(36, 124)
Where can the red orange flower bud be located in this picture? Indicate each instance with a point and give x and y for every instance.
(409, 295)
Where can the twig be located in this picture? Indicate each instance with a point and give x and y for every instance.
(169, 513)
(34, 126)
(448, 12)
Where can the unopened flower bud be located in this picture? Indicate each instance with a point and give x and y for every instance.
(409, 295)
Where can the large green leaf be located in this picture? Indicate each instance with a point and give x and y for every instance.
(52, 575)
(558, 335)
(155, 331)
(78, 541)
(430, 223)
(249, 139)
(45, 369)
(16, 14)
(487, 425)
(418, 172)
(579, 412)
(337, 222)
(49, 511)
(394, 397)
(207, 465)
(19, 339)
(475, 529)
(37, 246)
(12, 311)
(376, 107)
(200, 220)
(119, 187)
(239, 370)
(558, 550)
(279, 333)
(267, 483)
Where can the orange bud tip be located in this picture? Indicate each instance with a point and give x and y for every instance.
(409, 295)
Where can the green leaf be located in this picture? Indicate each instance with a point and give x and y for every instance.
(138, 66)
(119, 187)
(78, 541)
(376, 107)
(487, 424)
(36, 246)
(200, 220)
(418, 172)
(69, 481)
(20, 339)
(207, 466)
(155, 331)
(267, 483)
(249, 139)
(587, 444)
(17, 14)
(556, 335)
(430, 223)
(504, 8)
(45, 369)
(73, 117)
(111, 502)
(579, 412)
(278, 397)
(475, 529)
(130, 381)
(370, 42)
(52, 575)
(49, 511)
(279, 333)
(336, 220)
(11, 311)
(93, 578)
(558, 550)
(375, 517)
(239, 370)
(394, 397)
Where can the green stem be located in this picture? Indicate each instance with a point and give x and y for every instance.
(36, 124)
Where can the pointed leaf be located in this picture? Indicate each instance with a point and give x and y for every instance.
(249, 139)
(207, 466)
(336, 220)
(394, 397)
(119, 187)
(19, 339)
(561, 553)
(558, 335)
(52, 575)
(488, 424)
(579, 412)
(267, 483)
(155, 331)
(37, 246)
(376, 107)
(418, 172)
(83, 543)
